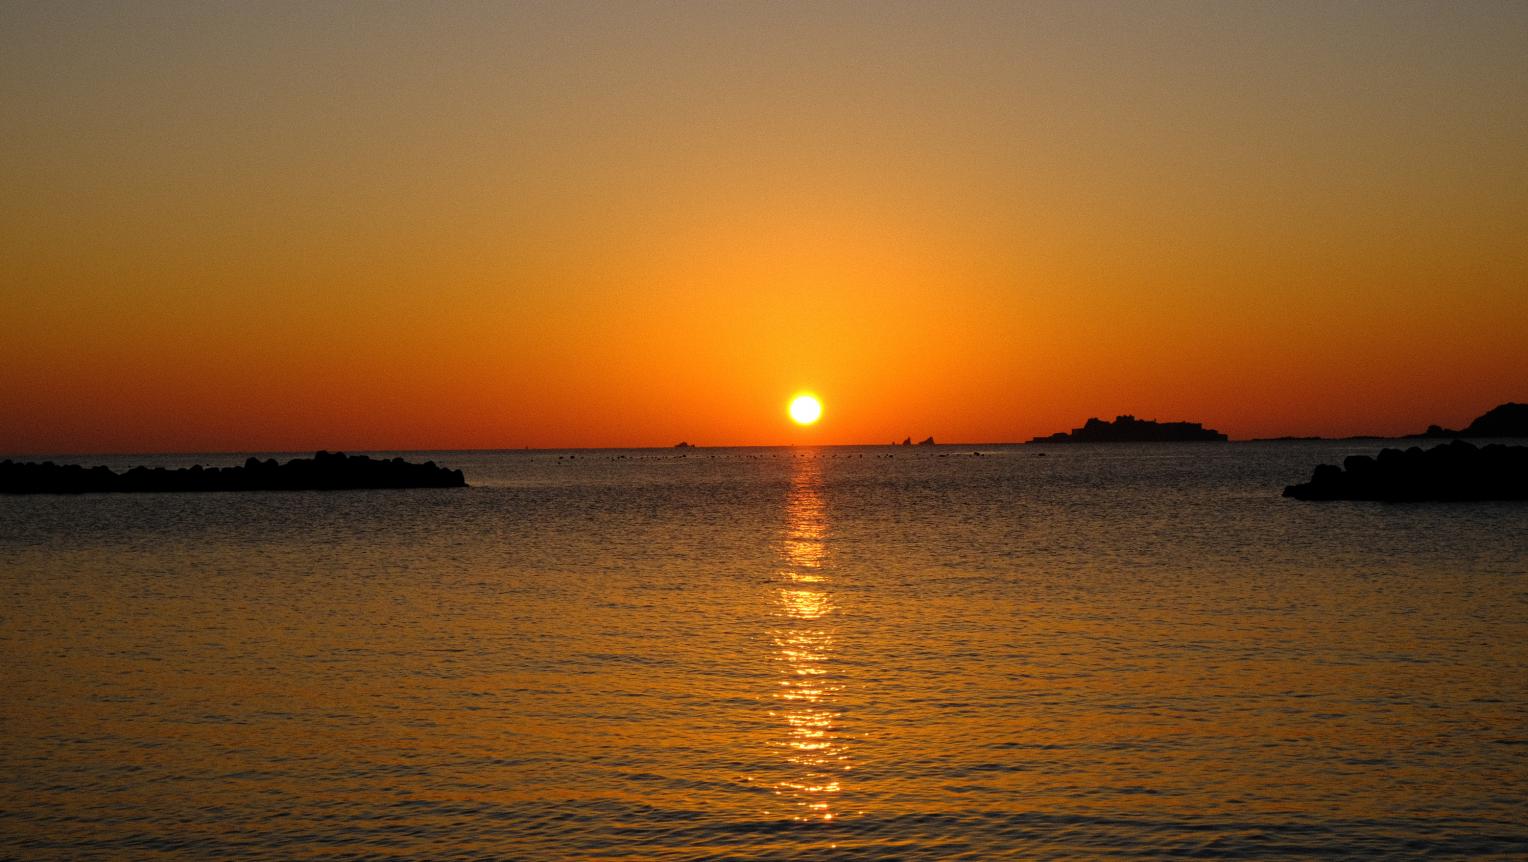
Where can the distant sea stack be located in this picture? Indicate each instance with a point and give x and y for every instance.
(325, 471)
(1456, 471)
(1128, 429)
(1503, 420)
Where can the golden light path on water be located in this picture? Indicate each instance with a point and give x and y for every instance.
(810, 740)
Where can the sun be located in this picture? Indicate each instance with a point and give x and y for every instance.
(805, 409)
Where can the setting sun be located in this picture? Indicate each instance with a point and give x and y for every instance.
(805, 409)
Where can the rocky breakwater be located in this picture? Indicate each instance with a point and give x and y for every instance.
(325, 471)
(1456, 471)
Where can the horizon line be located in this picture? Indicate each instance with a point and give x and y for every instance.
(675, 447)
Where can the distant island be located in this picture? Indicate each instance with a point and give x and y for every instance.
(1128, 429)
(908, 441)
(1456, 471)
(325, 471)
(1503, 420)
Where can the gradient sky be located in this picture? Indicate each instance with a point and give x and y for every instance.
(284, 226)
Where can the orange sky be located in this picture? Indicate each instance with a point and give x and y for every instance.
(364, 226)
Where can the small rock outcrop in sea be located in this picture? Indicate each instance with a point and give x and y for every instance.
(926, 441)
(1503, 420)
(682, 444)
(1128, 429)
(325, 471)
(1455, 471)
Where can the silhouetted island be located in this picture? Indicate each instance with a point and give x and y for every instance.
(1128, 429)
(325, 471)
(1455, 471)
(682, 444)
(1503, 420)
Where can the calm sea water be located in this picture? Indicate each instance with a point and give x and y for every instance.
(1108, 651)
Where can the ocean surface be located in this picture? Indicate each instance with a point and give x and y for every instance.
(839, 653)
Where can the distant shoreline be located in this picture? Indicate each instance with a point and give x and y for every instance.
(1504, 422)
(694, 451)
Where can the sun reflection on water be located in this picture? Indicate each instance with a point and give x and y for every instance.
(811, 741)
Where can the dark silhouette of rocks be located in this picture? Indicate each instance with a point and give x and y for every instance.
(926, 441)
(682, 444)
(1503, 420)
(1128, 429)
(1455, 471)
(907, 441)
(325, 471)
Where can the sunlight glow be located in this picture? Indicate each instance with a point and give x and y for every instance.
(805, 409)
(815, 746)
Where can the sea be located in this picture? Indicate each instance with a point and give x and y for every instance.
(946, 652)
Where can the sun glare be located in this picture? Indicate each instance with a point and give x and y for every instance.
(805, 409)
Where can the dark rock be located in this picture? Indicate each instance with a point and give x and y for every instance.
(325, 471)
(682, 444)
(1453, 471)
(927, 441)
(1128, 429)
